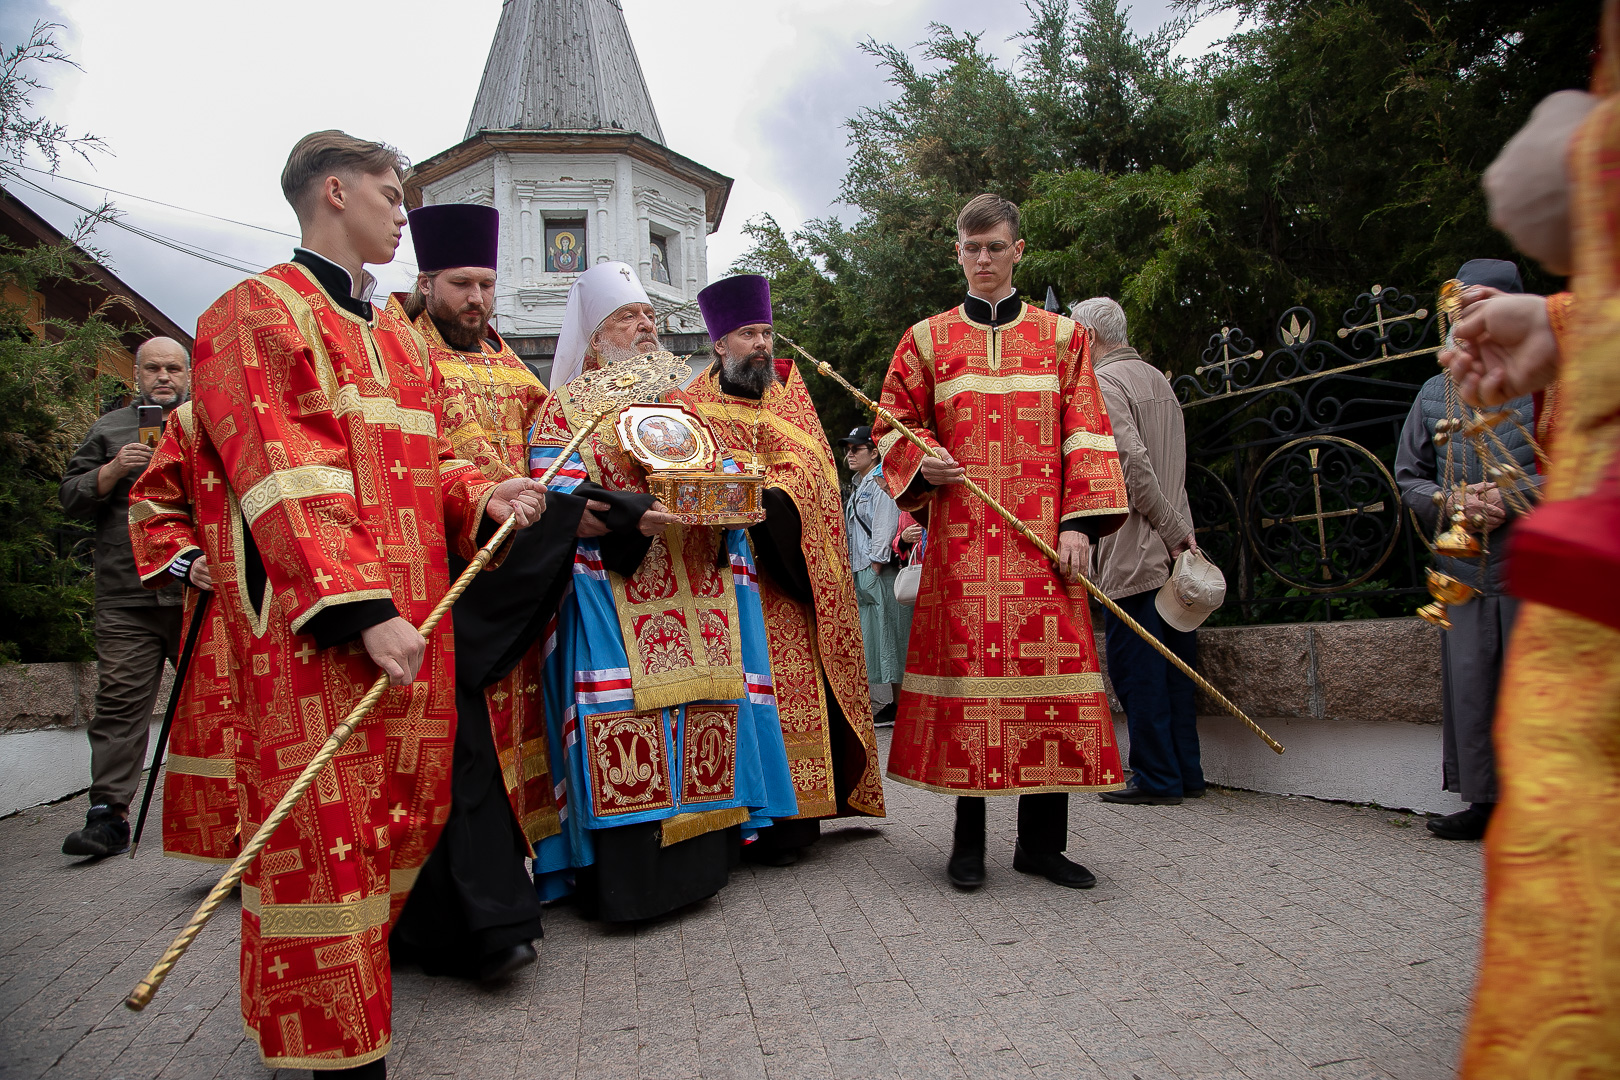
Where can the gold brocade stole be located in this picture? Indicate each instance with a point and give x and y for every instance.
(678, 611)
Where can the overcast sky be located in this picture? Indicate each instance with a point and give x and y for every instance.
(199, 102)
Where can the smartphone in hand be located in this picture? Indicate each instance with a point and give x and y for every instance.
(151, 424)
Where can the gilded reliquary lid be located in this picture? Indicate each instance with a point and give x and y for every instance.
(667, 438)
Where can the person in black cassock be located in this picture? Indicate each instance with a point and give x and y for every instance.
(473, 911)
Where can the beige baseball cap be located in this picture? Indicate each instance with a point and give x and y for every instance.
(1195, 589)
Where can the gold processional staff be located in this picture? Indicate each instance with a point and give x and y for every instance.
(601, 392)
(1041, 545)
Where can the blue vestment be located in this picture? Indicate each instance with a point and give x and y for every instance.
(597, 738)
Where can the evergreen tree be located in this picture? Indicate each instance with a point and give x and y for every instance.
(1329, 145)
(48, 394)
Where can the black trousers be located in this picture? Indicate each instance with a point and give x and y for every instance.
(1043, 822)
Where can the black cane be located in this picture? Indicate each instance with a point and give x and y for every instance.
(198, 615)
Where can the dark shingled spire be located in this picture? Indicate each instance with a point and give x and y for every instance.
(563, 65)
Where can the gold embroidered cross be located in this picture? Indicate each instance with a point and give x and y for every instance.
(304, 652)
(1052, 649)
(1045, 416)
(279, 968)
(210, 481)
(1049, 771)
(991, 713)
(397, 812)
(341, 849)
(992, 589)
(259, 406)
(322, 578)
(398, 470)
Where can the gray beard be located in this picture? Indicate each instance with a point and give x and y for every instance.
(744, 376)
(608, 354)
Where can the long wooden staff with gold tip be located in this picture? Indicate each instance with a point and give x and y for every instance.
(144, 990)
(1041, 545)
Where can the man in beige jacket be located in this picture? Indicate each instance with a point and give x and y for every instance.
(1133, 563)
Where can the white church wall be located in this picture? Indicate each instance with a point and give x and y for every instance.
(623, 205)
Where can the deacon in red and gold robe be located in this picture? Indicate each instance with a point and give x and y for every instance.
(199, 771)
(474, 911)
(759, 409)
(340, 502)
(1001, 692)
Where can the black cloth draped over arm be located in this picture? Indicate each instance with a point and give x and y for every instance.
(624, 546)
(776, 546)
(505, 609)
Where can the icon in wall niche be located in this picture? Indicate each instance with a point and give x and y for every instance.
(565, 247)
(660, 260)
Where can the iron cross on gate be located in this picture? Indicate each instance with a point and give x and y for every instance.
(1321, 516)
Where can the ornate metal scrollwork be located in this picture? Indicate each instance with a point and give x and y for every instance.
(1382, 325)
(1324, 514)
(1216, 521)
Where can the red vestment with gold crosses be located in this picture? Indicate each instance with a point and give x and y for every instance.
(1002, 692)
(490, 403)
(199, 771)
(808, 642)
(339, 489)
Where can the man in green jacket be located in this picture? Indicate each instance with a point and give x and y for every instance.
(136, 628)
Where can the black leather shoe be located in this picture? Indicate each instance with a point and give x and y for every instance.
(1466, 824)
(1132, 795)
(500, 966)
(376, 1070)
(966, 868)
(105, 832)
(1196, 793)
(1054, 867)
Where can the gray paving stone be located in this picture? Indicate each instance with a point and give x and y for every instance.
(1239, 937)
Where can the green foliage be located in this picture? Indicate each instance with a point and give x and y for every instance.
(47, 402)
(1330, 145)
(46, 593)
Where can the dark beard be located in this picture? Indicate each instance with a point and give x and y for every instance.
(457, 336)
(742, 379)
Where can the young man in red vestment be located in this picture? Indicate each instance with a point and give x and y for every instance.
(1001, 692)
(328, 525)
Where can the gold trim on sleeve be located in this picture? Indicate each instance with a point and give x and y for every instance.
(886, 443)
(305, 480)
(325, 602)
(151, 508)
(1088, 440)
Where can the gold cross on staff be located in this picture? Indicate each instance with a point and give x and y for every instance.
(1321, 516)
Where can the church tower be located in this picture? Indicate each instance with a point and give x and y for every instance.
(564, 141)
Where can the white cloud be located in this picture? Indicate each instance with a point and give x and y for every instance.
(200, 101)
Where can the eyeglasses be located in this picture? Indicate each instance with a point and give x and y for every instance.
(971, 248)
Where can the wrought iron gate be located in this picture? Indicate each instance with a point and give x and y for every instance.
(1291, 456)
